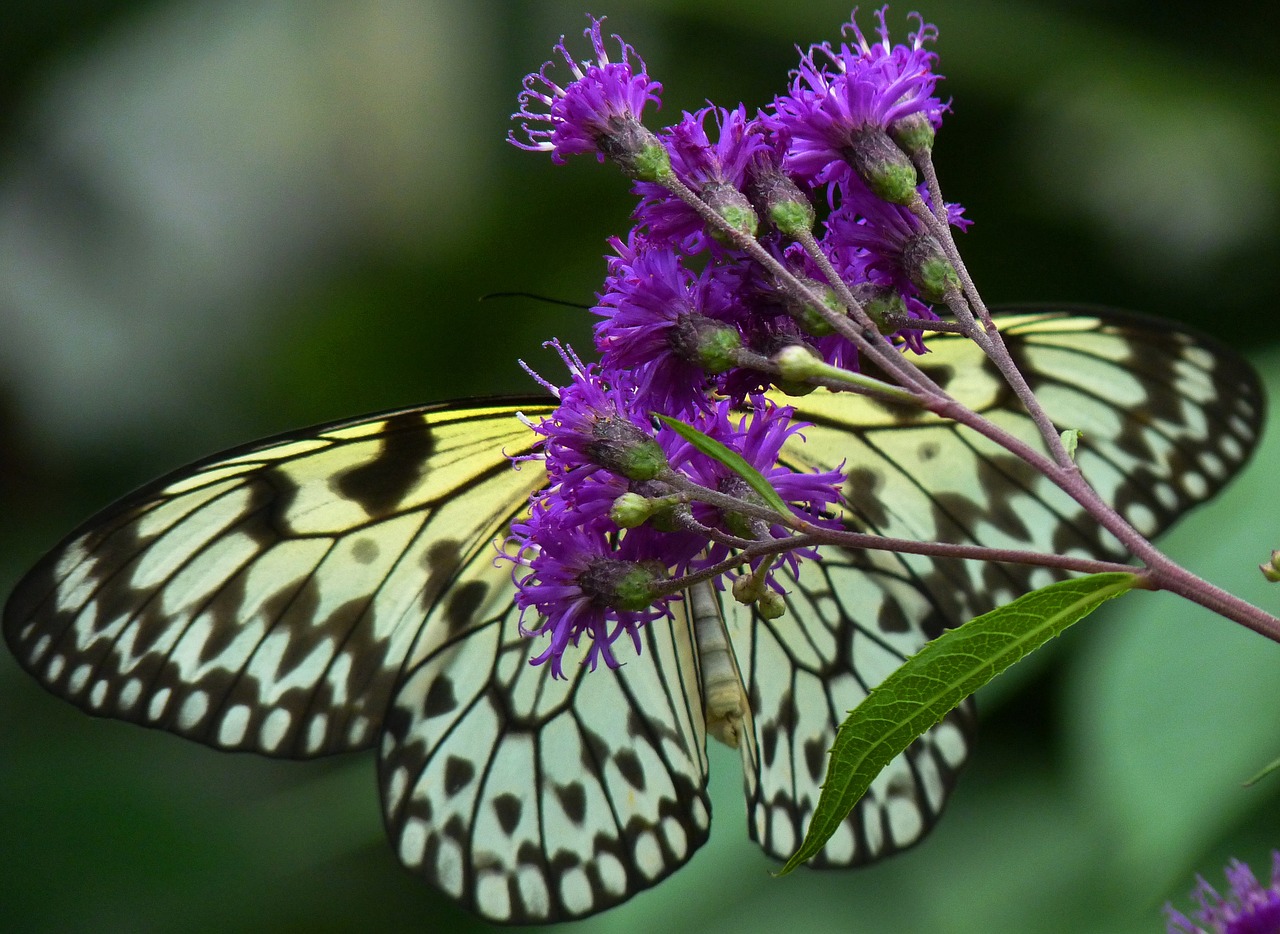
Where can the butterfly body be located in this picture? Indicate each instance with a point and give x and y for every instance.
(724, 695)
(335, 589)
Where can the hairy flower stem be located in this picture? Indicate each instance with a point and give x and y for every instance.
(829, 378)
(910, 374)
(885, 355)
(899, 322)
(1160, 571)
(989, 339)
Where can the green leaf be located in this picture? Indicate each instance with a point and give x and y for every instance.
(1266, 770)
(934, 681)
(731, 459)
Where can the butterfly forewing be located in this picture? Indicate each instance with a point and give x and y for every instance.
(265, 599)
(336, 587)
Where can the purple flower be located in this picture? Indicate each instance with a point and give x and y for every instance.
(669, 328)
(837, 95)
(597, 428)
(1248, 909)
(584, 581)
(717, 172)
(599, 109)
(758, 436)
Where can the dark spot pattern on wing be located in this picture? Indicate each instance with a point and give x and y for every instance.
(508, 809)
(462, 603)
(458, 773)
(440, 699)
(383, 481)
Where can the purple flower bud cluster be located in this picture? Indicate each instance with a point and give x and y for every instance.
(753, 234)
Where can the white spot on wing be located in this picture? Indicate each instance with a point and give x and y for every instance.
(677, 839)
(316, 731)
(159, 701)
(648, 855)
(492, 893)
(448, 874)
(533, 891)
(79, 678)
(275, 728)
(905, 823)
(193, 710)
(575, 890)
(413, 842)
(130, 694)
(613, 875)
(234, 725)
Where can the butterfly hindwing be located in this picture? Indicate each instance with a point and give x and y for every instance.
(531, 799)
(1166, 417)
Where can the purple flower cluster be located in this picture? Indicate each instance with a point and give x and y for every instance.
(799, 226)
(1248, 908)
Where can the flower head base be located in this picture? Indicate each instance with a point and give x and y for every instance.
(1248, 909)
(716, 171)
(584, 584)
(886, 244)
(598, 111)
(670, 328)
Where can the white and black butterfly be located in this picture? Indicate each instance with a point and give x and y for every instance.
(335, 589)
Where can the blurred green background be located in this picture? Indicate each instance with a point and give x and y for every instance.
(222, 220)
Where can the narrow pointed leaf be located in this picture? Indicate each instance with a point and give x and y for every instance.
(934, 681)
(1266, 770)
(731, 459)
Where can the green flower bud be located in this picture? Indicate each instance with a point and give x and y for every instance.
(771, 605)
(630, 510)
(748, 588)
(733, 206)
(880, 304)
(928, 268)
(914, 133)
(796, 362)
(811, 319)
(623, 585)
(780, 200)
(637, 151)
(1271, 569)
(885, 168)
(666, 510)
(710, 344)
(622, 448)
(791, 218)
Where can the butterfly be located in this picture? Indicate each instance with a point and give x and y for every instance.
(335, 589)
